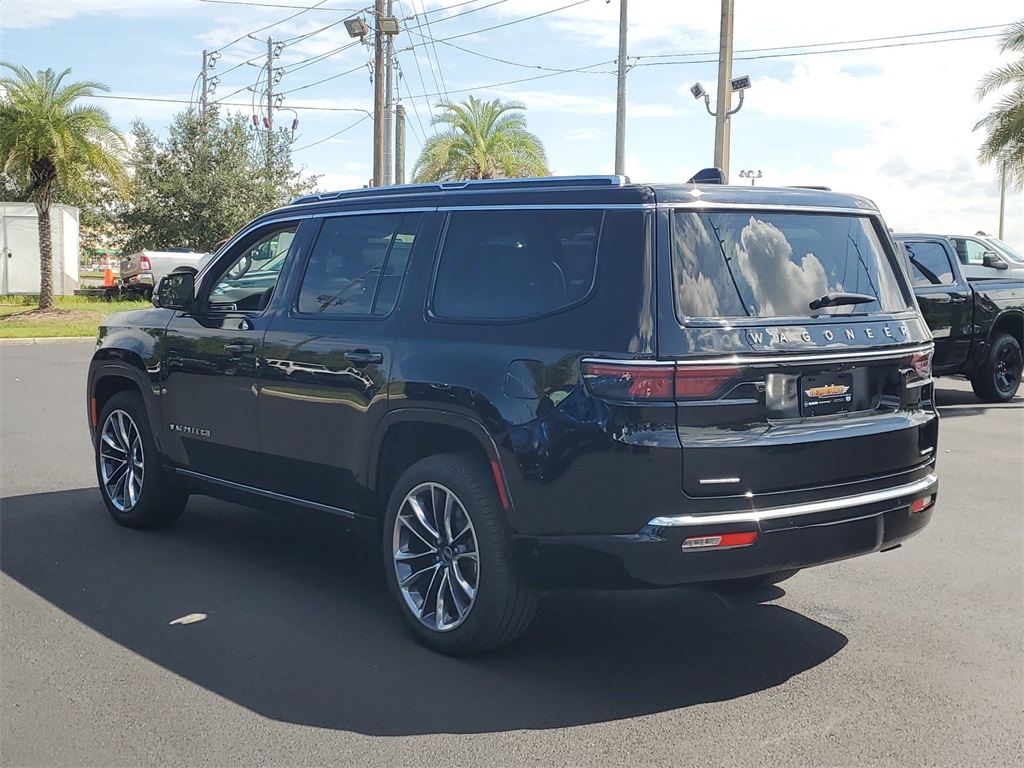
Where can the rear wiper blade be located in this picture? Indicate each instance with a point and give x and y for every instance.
(835, 299)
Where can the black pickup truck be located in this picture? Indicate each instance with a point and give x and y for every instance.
(978, 324)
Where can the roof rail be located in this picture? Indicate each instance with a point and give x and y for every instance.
(445, 186)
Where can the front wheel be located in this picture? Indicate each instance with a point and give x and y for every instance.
(137, 489)
(448, 558)
(999, 377)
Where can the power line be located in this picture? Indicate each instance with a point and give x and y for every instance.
(437, 58)
(317, 7)
(517, 21)
(338, 133)
(326, 79)
(268, 26)
(515, 63)
(508, 82)
(838, 42)
(815, 53)
(163, 100)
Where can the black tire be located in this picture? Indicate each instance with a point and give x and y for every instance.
(997, 380)
(752, 583)
(499, 605)
(138, 490)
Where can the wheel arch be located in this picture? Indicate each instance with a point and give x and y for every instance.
(123, 371)
(1010, 322)
(411, 434)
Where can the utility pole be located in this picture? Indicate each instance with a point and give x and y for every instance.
(202, 99)
(378, 94)
(400, 144)
(1002, 195)
(389, 52)
(724, 89)
(620, 97)
(270, 85)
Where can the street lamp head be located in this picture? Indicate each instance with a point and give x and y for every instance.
(697, 90)
(356, 27)
(740, 83)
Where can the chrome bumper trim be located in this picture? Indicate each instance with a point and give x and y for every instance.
(928, 483)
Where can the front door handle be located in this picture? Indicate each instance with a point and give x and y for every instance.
(956, 298)
(364, 357)
(239, 348)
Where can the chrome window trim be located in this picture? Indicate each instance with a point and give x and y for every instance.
(824, 356)
(710, 205)
(927, 483)
(550, 207)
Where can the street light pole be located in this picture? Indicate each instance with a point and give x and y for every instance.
(1002, 195)
(620, 97)
(388, 104)
(724, 92)
(378, 94)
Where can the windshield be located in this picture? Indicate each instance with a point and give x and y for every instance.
(765, 264)
(1004, 249)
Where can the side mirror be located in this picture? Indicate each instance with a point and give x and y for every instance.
(994, 260)
(176, 291)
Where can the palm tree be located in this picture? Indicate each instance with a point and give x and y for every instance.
(46, 139)
(1005, 123)
(484, 140)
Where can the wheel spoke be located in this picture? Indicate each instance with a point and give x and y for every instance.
(426, 597)
(404, 555)
(467, 589)
(404, 520)
(421, 515)
(416, 574)
(449, 503)
(113, 443)
(439, 604)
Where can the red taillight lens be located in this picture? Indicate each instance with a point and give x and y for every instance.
(629, 382)
(921, 368)
(144, 262)
(921, 504)
(700, 381)
(744, 539)
(642, 381)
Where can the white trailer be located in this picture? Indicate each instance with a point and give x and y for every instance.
(19, 248)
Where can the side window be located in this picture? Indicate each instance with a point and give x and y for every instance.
(504, 265)
(249, 281)
(357, 264)
(929, 264)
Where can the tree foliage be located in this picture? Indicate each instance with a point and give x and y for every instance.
(205, 181)
(48, 141)
(484, 140)
(1005, 123)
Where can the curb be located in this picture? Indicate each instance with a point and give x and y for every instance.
(46, 340)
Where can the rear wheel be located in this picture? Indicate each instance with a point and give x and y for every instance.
(138, 491)
(999, 377)
(448, 558)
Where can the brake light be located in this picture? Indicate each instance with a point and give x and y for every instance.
(700, 381)
(144, 262)
(920, 368)
(655, 381)
(629, 382)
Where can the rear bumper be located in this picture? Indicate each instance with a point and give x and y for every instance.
(798, 536)
(141, 280)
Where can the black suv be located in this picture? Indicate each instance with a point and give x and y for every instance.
(524, 384)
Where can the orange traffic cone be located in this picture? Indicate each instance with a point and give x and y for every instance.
(108, 277)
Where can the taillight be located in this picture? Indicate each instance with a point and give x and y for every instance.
(701, 381)
(655, 381)
(721, 541)
(920, 369)
(629, 382)
(144, 262)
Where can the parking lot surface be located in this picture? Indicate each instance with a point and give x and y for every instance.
(912, 658)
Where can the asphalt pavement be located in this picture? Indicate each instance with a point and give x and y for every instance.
(909, 658)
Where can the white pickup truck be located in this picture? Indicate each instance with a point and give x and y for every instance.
(141, 271)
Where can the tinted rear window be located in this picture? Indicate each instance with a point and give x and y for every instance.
(766, 264)
(514, 264)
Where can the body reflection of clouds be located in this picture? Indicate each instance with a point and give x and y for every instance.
(780, 284)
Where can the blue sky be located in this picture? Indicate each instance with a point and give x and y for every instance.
(875, 98)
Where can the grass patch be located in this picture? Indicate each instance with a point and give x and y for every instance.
(20, 317)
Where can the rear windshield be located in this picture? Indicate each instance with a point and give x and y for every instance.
(766, 264)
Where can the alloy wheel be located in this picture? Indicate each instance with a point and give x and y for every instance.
(436, 557)
(1008, 368)
(122, 460)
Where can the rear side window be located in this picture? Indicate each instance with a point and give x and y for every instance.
(514, 264)
(929, 264)
(357, 264)
(767, 264)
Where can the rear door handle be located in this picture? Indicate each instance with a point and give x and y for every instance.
(957, 298)
(239, 348)
(364, 357)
